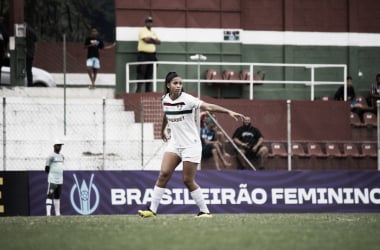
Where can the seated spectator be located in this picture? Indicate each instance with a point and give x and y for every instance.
(351, 97)
(211, 147)
(339, 94)
(375, 91)
(203, 118)
(219, 134)
(250, 140)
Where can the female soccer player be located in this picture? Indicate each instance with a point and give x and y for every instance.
(184, 143)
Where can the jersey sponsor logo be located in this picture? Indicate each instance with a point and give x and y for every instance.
(84, 197)
(177, 119)
(58, 158)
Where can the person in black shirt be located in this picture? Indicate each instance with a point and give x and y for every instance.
(250, 140)
(4, 40)
(355, 106)
(31, 39)
(93, 43)
(339, 94)
(375, 92)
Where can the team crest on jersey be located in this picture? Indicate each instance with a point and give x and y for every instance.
(58, 158)
(180, 106)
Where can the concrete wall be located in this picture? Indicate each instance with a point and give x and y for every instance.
(325, 32)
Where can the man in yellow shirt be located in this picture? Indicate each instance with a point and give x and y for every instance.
(146, 52)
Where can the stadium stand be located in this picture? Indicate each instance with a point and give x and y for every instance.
(351, 150)
(369, 150)
(259, 75)
(361, 100)
(335, 159)
(213, 74)
(332, 150)
(315, 150)
(316, 155)
(277, 156)
(325, 98)
(278, 150)
(369, 119)
(230, 75)
(298, 150)
(270, 117)
(355, 120)
(245, 75)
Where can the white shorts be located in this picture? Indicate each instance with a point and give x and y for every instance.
(93, 62)
(192, 153)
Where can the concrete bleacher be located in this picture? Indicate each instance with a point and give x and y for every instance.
(35, 118)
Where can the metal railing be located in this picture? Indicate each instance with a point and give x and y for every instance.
(252, 66)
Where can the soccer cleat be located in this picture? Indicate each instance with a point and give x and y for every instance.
(204, 215)
(146, 213)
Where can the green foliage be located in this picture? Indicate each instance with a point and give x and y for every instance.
(165, 232)
(53, 18)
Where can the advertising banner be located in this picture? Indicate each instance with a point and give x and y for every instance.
(124, 192)
(14, 193)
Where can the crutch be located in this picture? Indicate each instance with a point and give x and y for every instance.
(230, 140)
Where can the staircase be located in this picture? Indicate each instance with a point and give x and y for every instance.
(97, 131)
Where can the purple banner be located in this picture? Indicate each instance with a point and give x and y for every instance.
(124, 192)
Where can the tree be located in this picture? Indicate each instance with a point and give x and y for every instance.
(52, 18)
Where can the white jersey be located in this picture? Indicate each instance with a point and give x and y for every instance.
(55, 162)
(180, 116)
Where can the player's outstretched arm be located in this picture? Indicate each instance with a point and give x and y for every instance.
(219, 109)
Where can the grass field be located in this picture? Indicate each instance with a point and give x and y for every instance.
(165, 232)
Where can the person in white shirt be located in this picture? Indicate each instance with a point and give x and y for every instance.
(54, 167)
(184, 144)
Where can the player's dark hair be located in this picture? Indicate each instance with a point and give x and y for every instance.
(168, 78)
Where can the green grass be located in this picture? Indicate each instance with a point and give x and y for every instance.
(165, 232)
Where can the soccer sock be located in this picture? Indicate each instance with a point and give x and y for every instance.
(198, 198)
(158, 192)
(49, 203)
(57, 205)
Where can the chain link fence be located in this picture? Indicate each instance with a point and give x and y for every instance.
(98, 134)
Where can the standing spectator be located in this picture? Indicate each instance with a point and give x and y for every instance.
(250, 140)
(31, 39)
(54, 168)
(93, 43)
(146, 52)
(375, 91)
(4, 40)
(211, 147)
(184, 145)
